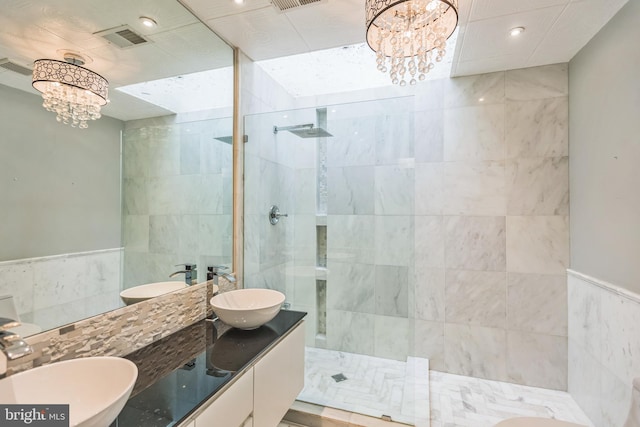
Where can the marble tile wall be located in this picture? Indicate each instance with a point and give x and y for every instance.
(447, 223)
(177, 206)
(491, 198)
(604, 340)
(85, 284)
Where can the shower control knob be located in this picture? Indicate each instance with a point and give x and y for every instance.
(275, 215)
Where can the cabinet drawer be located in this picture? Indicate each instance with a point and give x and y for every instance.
(278, 379)
(232, 408)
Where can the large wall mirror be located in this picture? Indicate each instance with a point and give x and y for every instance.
(86, 213)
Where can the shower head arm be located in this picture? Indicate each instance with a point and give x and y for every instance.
(277, 129)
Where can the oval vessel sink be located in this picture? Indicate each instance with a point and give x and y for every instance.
(148, 291)
(95, 388)
(247, 308)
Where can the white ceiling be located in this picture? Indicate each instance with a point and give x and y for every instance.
(555, 29)
(32, 29)
(180, 44)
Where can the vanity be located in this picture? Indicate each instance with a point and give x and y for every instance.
(209, 374)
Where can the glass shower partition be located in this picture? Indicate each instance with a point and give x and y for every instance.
(344, 175)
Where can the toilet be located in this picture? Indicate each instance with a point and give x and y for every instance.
(633, 419)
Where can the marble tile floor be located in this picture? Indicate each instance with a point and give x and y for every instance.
(454, 400)
(374, 386)
(459, 401)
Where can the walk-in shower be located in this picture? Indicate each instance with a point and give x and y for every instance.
(345, 253)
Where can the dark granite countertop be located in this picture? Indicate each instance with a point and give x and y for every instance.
(180, 372)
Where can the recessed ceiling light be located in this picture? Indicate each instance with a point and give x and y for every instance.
(238, 1)
(148, 22)
(514, 32)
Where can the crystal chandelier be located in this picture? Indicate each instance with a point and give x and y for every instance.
(73, 92)
(408, 36)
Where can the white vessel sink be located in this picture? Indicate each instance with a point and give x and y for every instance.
(95, 388)
(247, 308)
(148, 291)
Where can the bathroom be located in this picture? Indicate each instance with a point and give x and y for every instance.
(477, 228)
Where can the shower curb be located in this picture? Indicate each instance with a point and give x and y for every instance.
(311, 415)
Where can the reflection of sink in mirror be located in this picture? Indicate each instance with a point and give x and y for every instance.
(95, 388)
(247, 308)
(152, 290)
(8, 311)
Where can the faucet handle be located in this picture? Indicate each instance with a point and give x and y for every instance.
(215, 268)
(187, 266)
(6, 323)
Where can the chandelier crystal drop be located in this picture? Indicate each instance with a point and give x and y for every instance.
(74, 93)
(409, 36)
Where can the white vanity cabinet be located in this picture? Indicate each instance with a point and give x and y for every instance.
(261, 396)
(232, 408)
(278, 379)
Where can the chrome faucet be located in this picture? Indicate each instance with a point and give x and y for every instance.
(190, 273)
(12, 347)
(214, 271)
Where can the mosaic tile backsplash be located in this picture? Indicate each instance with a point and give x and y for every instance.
(121, 331)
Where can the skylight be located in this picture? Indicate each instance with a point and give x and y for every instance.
(338, 70)
(200, 91)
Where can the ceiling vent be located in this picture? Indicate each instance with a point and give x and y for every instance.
(287, 5)
(12, 66)
(123, 37)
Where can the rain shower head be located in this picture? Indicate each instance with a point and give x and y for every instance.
(304, 131)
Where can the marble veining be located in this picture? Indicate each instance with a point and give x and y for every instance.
(393, 190)
(459, 401)
(475, 243)
(538, 128)
(351, 287)
(474, 188)
(474, 133)
(476, 298)
(429, 293)
(374, 386)
(538, 186)
(537, 303)
(538, 244)
(394, 240)
(467, 91)
(429, 241)
(598, 310)
(352, 190)
(429, 136)
(429, 188)
(537, 360)
(475, 351)
(391, 290)
(537, 82)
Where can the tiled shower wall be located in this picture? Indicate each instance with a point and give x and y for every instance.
(447, 225)
(177, 191)
(491, 226)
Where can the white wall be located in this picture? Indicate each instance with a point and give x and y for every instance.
(59, 186)
(604, 122)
